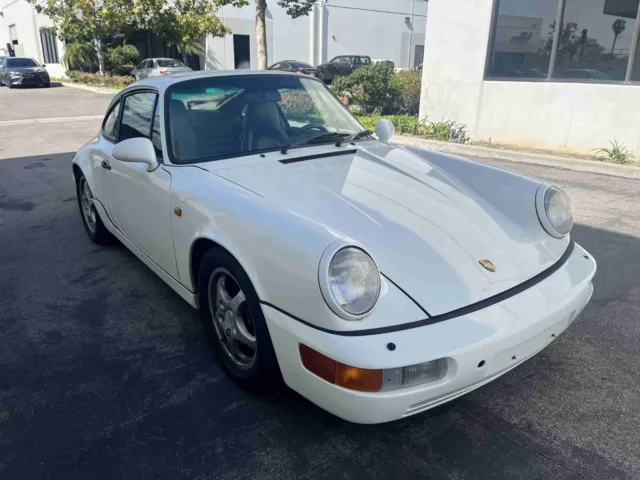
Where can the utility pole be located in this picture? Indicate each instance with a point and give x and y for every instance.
(413, 4)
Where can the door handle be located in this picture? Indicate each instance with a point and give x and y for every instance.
(105, 164)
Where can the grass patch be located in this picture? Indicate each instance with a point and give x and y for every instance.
(445, 130)
(616, 154)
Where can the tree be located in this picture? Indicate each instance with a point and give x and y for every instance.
(618, 27)
(294, 8)
(88, 20)
(182, 22)
(572, 46)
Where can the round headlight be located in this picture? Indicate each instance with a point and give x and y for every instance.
(349, 281)
(554, 210)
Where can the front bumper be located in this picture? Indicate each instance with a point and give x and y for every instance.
(478, 347)
(37, 79)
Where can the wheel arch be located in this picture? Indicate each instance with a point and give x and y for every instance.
(203, 244)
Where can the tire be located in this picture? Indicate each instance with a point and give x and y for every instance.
(93, 225)
(47, 85)
(9, 85)
(262, 374)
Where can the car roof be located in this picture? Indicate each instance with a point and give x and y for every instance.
(165, 81)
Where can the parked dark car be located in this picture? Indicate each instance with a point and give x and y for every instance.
(343, 66)
(16, 71)
(297, 67)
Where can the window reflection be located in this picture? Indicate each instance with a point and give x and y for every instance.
(522, 45)
(595, 40)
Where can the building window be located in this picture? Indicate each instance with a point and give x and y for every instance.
(594, 41)
(522, 39)
(49, 47)
(593, 45)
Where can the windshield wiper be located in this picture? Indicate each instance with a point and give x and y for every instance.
(355, 136)
(315, 138)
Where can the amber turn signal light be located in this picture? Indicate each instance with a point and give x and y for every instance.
(353, 378)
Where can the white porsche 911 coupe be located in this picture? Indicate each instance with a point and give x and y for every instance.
(377, 281)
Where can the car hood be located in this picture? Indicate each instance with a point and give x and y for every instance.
(25, 69)
(426, 228)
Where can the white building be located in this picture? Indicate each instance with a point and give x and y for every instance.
(20, 26)
(383, 29)
(499, 67)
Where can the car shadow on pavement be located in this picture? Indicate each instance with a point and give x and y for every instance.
(106, 373)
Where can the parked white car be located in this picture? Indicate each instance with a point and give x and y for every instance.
(377, 281)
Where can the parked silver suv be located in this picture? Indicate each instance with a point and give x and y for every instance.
(152, 67)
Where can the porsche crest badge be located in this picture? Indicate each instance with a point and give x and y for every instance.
(486, 263)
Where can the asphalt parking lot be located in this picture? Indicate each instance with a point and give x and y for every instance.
(106, 373)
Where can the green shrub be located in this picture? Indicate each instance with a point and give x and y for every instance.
(80, 56)
(616, 154)
(120, 60)
(372, 88)
(445, 130)
(408, 83)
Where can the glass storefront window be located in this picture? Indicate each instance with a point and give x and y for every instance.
(594, 44)
(523, 37)
(595, 41)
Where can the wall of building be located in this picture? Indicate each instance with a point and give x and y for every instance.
(334, 27)
(378, 28)
(575, 117)
(27, 23)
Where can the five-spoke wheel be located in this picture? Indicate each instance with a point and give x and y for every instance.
(232, 318)
(235, 323)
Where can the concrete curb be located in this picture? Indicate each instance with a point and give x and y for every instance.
(89, 88)
(568, 163)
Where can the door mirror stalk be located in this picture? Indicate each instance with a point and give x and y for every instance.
(136, 150)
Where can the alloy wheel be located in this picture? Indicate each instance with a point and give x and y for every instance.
(232, 319)
(88, 209)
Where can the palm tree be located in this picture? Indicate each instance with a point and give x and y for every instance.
(618, 27)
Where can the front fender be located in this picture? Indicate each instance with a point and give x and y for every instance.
(279, 250)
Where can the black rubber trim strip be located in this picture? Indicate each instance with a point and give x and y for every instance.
(408, 296)
(314, 157)
(474, 307)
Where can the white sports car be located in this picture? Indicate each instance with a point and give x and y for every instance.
(377, 281)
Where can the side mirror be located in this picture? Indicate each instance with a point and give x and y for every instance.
(384, 130)
(43, 65)
(136, 150)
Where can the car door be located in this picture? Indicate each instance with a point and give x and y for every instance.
(145, 69)
(139, 201)
(153, 69)
(344, 68)
(331, 70)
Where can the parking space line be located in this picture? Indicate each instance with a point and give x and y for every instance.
(29, 121)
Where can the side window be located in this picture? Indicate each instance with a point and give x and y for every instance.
(345, 60)
(109, 127)
(137, 115)
(285, 66)
(156, 136)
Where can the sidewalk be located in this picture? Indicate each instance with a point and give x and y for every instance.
(568, 163)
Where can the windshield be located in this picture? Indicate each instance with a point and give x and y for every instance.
(300, 65)
(222, 117)
(168, 62)
(21, 62)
